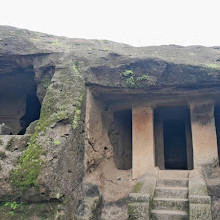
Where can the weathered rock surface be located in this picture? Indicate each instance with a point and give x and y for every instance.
(61, 164)
(5, 130)
(11, 148)
(213, 183)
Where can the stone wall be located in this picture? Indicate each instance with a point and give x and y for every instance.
(121, 139)
(97, 144)
(11, 148)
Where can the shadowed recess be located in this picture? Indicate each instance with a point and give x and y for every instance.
(19, 105)
(121, 139)
(173, 138)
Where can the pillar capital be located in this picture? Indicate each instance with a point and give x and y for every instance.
(202, 112)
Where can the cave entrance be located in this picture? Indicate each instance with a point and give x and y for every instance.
(19, 105)
(173, 138)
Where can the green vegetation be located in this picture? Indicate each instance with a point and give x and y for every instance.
(55, 107)
(212, 66)
(146, 79)
(75, 68)
(30, 165)
(57, 43)
(1, 142)
(14, 210)
(77, 111)
(127, 73)
(25, 175)
(129, 76)
(76, 118)
(62, 107)
(132, 81)
(13, 206)
(56, 143)
(46, 81)
(138, 187)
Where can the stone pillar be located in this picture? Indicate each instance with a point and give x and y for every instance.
(204, 138)
(142, 141)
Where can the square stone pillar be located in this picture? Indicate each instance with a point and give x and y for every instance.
(204, 138)
(142, 141)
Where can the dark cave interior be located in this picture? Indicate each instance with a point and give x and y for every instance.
(19, 105)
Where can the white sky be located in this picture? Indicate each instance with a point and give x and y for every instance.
(136, 22)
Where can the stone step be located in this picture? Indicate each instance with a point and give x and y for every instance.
(169, 215)
(171, 192)
(170, 204)
(173, 182)
(176, 174)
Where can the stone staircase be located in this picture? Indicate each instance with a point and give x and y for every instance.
(171, 196)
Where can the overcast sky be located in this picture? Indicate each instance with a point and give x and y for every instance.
(136, 22)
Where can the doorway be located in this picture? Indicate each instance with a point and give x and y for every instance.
(173, 140)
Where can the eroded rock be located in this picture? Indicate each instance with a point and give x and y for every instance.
(5, 130)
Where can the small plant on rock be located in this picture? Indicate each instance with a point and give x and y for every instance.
(56, 142)
(212, 66)
(13, 206)
(132, 81)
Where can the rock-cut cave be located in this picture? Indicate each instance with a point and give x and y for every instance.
(19, 105)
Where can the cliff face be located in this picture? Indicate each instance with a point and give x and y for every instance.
(55, 162)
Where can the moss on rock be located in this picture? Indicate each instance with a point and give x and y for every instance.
(138, 187)
(13, 210)
(25, 175)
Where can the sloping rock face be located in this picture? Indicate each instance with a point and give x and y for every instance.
(71, 174)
